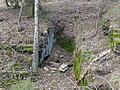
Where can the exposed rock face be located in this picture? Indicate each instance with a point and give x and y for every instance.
(47, 43)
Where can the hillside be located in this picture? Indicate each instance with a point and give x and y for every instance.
(75, 21)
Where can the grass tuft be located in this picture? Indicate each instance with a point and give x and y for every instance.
(66, 43)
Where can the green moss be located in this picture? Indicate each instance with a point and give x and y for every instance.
(29, 48)
(25, 48)
(66, 43)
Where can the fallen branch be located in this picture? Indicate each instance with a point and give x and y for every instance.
(86, 87)
(98, 57)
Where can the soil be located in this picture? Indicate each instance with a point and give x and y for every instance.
(107, 67)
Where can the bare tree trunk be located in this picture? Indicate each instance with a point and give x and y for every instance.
(32, 8)
(6, 1)
(16, 4)
(10, 3)
(36, 38)
(20, 27)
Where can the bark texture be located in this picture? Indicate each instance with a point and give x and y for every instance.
(36, 38)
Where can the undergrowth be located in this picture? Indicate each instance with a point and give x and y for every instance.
(114, 40)
(66, 43)
(79, 57)
(23, 85)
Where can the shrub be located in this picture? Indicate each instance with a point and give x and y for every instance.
(23, 85)
(66, 43)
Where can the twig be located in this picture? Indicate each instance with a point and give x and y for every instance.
(8, 24)
(101, 55)
(86, 87)
(95, 87)
(13, 50)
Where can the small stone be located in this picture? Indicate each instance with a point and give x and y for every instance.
(46, 69)
(54, 64)
(63, 67)
(61, 56)
(52, 68)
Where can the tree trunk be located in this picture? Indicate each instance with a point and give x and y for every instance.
(36, 38)
(20, 27)
(32, 8)
(6, 1)
(16, 4)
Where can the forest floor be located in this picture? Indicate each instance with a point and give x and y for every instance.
(47, 77)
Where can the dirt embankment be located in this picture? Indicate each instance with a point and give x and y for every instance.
(69, 15)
